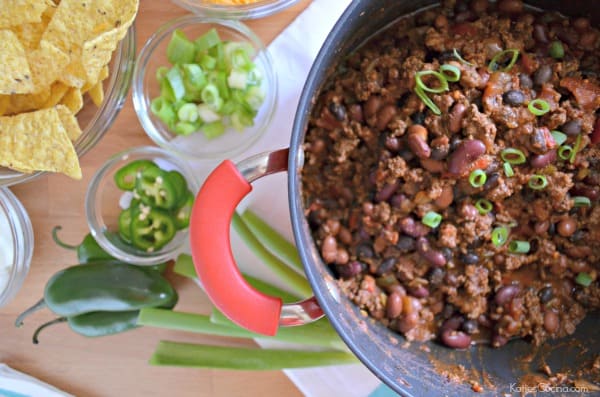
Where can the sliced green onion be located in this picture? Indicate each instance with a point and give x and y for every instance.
(163, 110)
(538, 107)
(238, 79)
(161, 72)
(494, 65)
(454, 75)
(499, 236)
(513, 156)
(484, 206)
(582, 201)
(477, 178)
(207, 114)
(519, 247)
(427, 101)
(188, 112)
(556, 50)
(207, 62)
(186, 128)
(443, 83)
(180, 49)
(537, 182)
(213, 130)
(208, 40)
(584, 279)
(508, 170)
(432, 219)
(211, 97)
(559, 137)
(175, 80)
(564, 152)
(460, 58)
(575, 149)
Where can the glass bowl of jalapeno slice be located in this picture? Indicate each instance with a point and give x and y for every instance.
(204, 88)
(138, 205)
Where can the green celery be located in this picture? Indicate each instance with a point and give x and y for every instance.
(207, 62)
(207, 41)
(175, 80)
(206, 356)
(180, 49)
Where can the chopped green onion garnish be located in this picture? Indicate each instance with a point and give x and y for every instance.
(477, 178)
(186, 128)
(180, 49)
(565, 152)
(427, 101)
(238, 79)
(461, 59)
(513, 156)
(484, 206)
(161, 72)
(538, 182)
(508, 170)
(499, 236)
(175, 80)
(575, 149)
(494, 64)
(188, 112)
(559, 137)
(432, 219)
(556, 50)
(539, 107)
(443, 82)
(213, 130)
(210, 96)
(519, 247)
(163, 110)
(207, 62)
(582, 201)
(584, 279)
(454, 72)
(208, 40)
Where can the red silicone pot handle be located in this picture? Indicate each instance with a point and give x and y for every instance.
(213, 259)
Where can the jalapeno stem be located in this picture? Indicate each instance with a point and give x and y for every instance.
(59, 242)
(38, 306)
(58, 320)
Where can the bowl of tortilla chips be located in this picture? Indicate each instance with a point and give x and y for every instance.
(65, 71)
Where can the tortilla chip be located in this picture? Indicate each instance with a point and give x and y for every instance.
(97, 93)
(57, 92)
(15, 76)
(73, 100)
(46, 63)
(73, 75)
(30, 34)
(4, 104)
(37, 141)
(69, 122)
(20, 103)
(96, 53)
(17, 12)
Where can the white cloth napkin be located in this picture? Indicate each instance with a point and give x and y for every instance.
(293, 53)
(17, 384)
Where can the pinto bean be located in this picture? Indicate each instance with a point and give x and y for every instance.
(479, 6)
(384, 116)
(510, 6)
(445, 198)
(433, 166)
(419, 130)
(581, 24)
(434, 257)
(467, 151)
(329, 249)
(372, 106)
(540, 34)
(506, 294)
(407, 322)
(455, 118)
(455, 339)
(588, 40)
(342, 257)
(542, 75)
(394, 305)
(542, 160)
(566, 227)
(551, 321)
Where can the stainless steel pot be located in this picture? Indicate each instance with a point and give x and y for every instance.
(413, 369)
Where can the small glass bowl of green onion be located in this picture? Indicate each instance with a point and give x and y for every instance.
(138, 205)
(204, 88)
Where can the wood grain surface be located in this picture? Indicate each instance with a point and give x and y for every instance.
(116, 365)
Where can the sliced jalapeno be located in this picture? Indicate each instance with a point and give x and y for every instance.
(180, 184)
(155, 188)
(151, 228)
(126, 176)
(182, 214)
(125, 225)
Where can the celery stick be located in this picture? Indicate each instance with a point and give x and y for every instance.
(272, 240)
(315, 334)
(184, 266)
(206, 356)
(296, 281)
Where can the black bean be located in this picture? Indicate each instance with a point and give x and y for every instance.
(448, 254)
(386, 266)
(525, 81)
(456, 339)
(467, 152)
(439, 152)
(314, 220)
(436, 276)
(350, 270)
(447, 55)
(470, 258)
(406, 244)
(534, 244)
(406, 155)
(338, 110)
(578, 235)
(492, 181)
(542, 75)
(546, 294)
(398, 200)
(454, 142)
(506, 294)
(448, 310)
(364, 251)
(499, 340)
(572, 127)
(470, 327)
(539, 33)
(418, 118)
(513, 97)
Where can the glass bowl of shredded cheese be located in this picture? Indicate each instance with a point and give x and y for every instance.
(238, 9)
(16, 245)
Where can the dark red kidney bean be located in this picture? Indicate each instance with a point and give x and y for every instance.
(392, 144)
(466, 152)
(525, 81)
(541, 227)
(356, 113)
(455, 118)
(542, 75)
(469, 211)
(479, 6)
(542, 160)
(439, 152)
(418, 146)
(593, 193)
(384, 116)
(398, 200)
(540, 34)
(588, 40)
(595, 137)
(592, 179)
(513, 97)
(419, 292)
(572, 127)
(386, 266)
(567, 35)
(414, 229)
(406, 244)
(510, 6)
(546, 294)
(394, 305)
(506, 294)
(386, 192)
(465, 16)
(329, 249)
(372, 106)
(350, 270)
(551, 321)
(499, 340)
(453, 323)
(581, 24)
(434, 257)
(338, 110)
(455, 339)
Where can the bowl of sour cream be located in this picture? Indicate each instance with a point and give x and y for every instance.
(16, 245)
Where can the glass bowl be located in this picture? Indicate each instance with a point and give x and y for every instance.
(196, 146)
(257, 9)
(104, 201)
(95, 121)
(16, 245)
